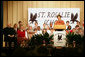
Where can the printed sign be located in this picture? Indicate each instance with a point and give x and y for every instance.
(47, 15)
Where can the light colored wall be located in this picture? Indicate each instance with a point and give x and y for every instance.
(14, 11)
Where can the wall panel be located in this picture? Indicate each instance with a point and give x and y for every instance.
(10, 12)
(15, 12)
(20, 17)
(25, 12)
(5, 13)
(18, 10)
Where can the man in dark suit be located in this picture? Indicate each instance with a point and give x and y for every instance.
(10, 36)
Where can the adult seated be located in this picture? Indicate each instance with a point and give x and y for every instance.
(59, 24)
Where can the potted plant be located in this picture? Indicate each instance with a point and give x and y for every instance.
(73, 39)
(40, 39)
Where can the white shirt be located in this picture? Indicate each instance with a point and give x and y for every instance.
(48, 31)
(26, 34)
(39, 32)
(66, 27)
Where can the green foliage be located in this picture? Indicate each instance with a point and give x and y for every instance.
(74, 37)
(40, 39)
(47, 38)
(70, 37)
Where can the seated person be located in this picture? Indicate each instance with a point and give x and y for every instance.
(36, 25)
(30, 29)
(78, 23)
(27, 27)
(30, 32)
(73, 30)
(68, 29)
(76, 29)
(44, 26)
(52, 31)
(81, 32)
(35, 31)
(67, 24)
(38, 30)
(44, 31)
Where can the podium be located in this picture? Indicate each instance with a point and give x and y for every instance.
(59, 36)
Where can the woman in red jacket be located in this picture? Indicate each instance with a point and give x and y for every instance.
(21, 35)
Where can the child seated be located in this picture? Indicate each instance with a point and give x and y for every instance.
(38, 30)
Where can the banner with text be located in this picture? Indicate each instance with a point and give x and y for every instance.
(47, 15)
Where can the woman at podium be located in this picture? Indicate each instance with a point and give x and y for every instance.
(59, 21)
(60, 33)
(59, 24)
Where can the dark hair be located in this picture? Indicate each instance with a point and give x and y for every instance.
(19, 22)
(38, 28)
(67, 21)
(15, 24)
(35, 29)
(59, 15)
(36, 22)
(78, 21)
(76, 26)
